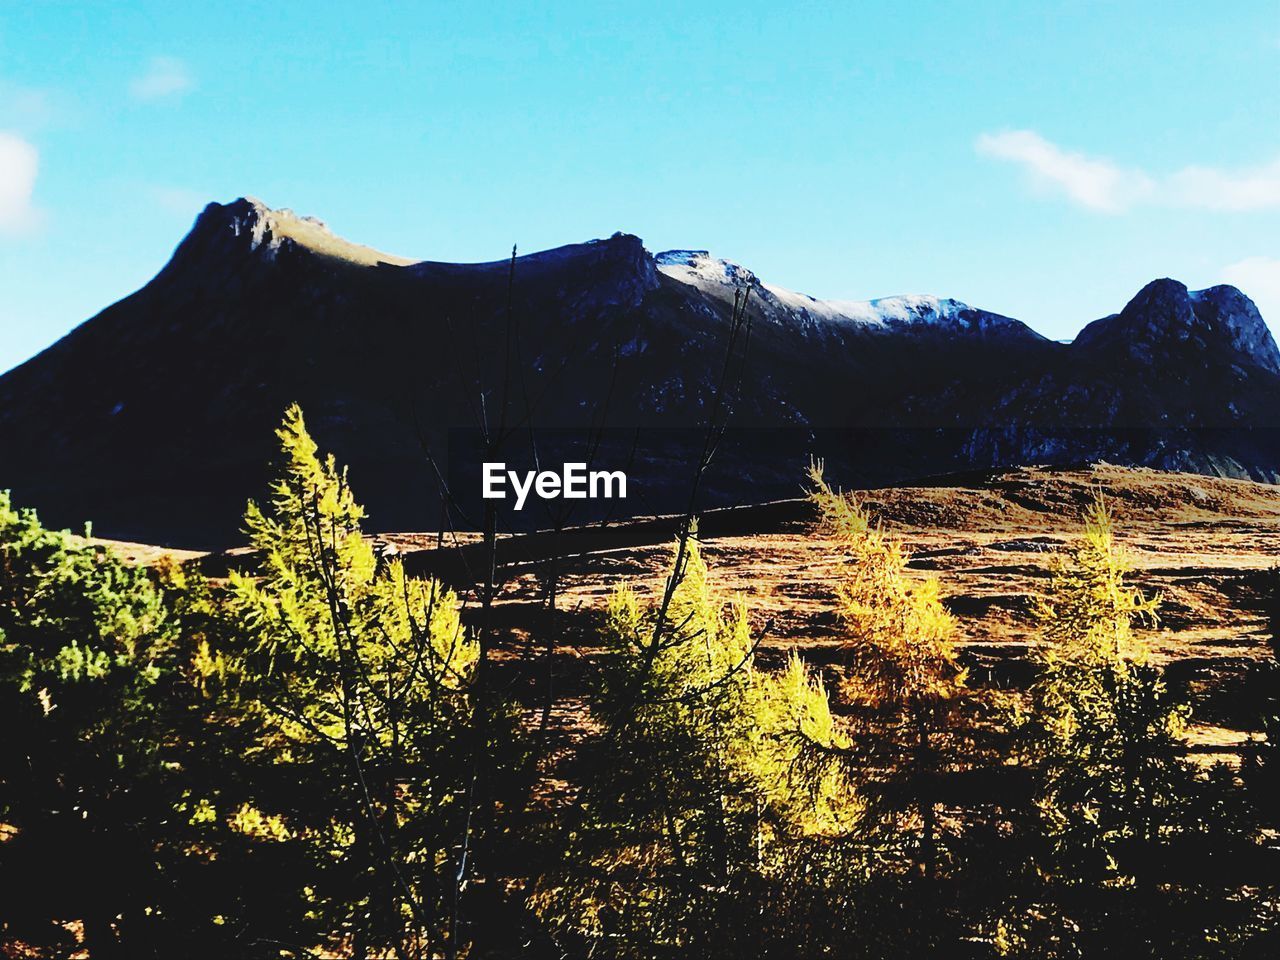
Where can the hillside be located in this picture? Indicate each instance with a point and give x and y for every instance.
(154, 418)
(1207, 546)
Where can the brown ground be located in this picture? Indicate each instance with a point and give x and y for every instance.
(1204, 544)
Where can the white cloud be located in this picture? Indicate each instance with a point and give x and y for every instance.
(1212, 189)
(19, 161)
(1091, 182)
(1259, 278)
(1099, 183)
(164, 77)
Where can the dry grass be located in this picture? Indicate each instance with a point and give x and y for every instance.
(1203, 544)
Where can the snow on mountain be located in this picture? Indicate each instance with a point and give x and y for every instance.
(721, 277)
(700, 269)
(882, 312)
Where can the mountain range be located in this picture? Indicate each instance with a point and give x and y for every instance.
(154, 418)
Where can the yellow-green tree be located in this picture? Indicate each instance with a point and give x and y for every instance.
(905, 678)
(709, 768)
(1104, 727)
(360, 677)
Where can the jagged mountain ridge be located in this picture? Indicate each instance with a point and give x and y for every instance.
(720, 278)
(154, 419)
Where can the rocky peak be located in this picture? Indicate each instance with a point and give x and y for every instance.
(619, 269)
(1165, 316)
(1231, 311)
(622, 250)
(1160, 309)
(246, 217)
(225, 235)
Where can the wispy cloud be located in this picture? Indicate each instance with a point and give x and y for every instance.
(165, 77)
(177, 200)
(1092, 182)
(1209, 188)
(1101, 184)
(1259, 277)
(28, 108)
(19, 161)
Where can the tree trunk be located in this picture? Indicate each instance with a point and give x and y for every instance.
(927, 804)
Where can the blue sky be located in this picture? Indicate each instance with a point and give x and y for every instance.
(1043, 160)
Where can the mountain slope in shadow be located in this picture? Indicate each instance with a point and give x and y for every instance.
(155, 418)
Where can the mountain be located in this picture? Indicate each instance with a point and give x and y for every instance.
(154, 419)
(720, 279)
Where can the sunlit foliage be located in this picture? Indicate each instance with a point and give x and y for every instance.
(710, 768)
(1104, 725)
(361, 678)
(900, 641)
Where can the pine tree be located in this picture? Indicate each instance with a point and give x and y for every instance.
(360, 676)
(89, 672)
(905, 677)
(1104, 728)
(709, 768)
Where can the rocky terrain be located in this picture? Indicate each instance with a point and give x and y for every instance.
(154, 419)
